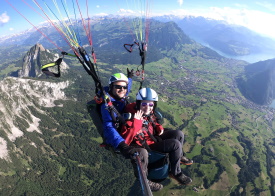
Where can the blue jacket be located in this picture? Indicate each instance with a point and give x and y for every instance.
(111, 135)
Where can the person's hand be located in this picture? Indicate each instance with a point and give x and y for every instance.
(126, 150)
(138, 115)
(161, 132)
(130, 74)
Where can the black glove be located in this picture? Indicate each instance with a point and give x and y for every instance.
(126, 150)
(130, 74)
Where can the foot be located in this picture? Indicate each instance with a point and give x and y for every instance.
(154, 186)
(181, 178)
(185, 161)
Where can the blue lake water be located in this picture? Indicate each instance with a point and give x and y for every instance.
(252, 58)
(273, 104)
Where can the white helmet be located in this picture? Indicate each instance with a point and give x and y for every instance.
(147, 94)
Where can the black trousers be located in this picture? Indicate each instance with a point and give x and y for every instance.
(172, 142)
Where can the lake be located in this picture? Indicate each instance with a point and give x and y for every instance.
(273, 104)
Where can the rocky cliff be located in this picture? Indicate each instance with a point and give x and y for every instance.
(17, 97)
(35, 58)
(258, 85)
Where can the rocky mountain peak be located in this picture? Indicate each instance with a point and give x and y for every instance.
(35, 58)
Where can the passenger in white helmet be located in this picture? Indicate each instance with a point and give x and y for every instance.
(155, 137)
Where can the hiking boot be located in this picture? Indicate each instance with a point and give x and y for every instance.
(181, 178)
(185, 161)
(154, 186)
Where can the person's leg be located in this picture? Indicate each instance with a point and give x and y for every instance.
(143, 155)
(174, 148)
(178, 135)
(173, 134)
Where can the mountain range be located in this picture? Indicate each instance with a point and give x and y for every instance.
(227, 39)
(48, 132)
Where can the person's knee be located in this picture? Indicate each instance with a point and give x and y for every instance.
(174, 145)
(180, 135)
(143, 152)
(178, 144)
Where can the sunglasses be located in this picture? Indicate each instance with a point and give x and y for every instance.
(120, 87)
(145, 104)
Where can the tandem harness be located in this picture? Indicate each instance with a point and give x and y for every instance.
(117, 118)
(140, 137)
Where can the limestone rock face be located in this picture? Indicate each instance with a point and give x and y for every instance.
(19, 98)
(259, 83)
(35, 58)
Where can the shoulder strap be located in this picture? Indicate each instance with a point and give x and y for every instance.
(112, 110)
(154, 127)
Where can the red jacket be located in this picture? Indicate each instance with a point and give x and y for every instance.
(130, 132)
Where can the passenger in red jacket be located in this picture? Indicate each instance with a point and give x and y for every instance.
(142, 132)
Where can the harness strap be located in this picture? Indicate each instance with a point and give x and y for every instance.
(130, 49)
(90, 69)
(142, 53)
(154, 128)
(112, 110)
(46, 71)
(140, 138)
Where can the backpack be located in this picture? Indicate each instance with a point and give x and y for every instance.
(158, 167)
(94, 109)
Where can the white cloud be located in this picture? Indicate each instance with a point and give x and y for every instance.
(252, 19)
(97, 6)
(240, 6)
(126, 12)
(4, 18)
(180, 2)
(101, 14)
(267, 5)
(11, 29)
(257, 21)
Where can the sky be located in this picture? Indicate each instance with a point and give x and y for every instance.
(257, 15)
